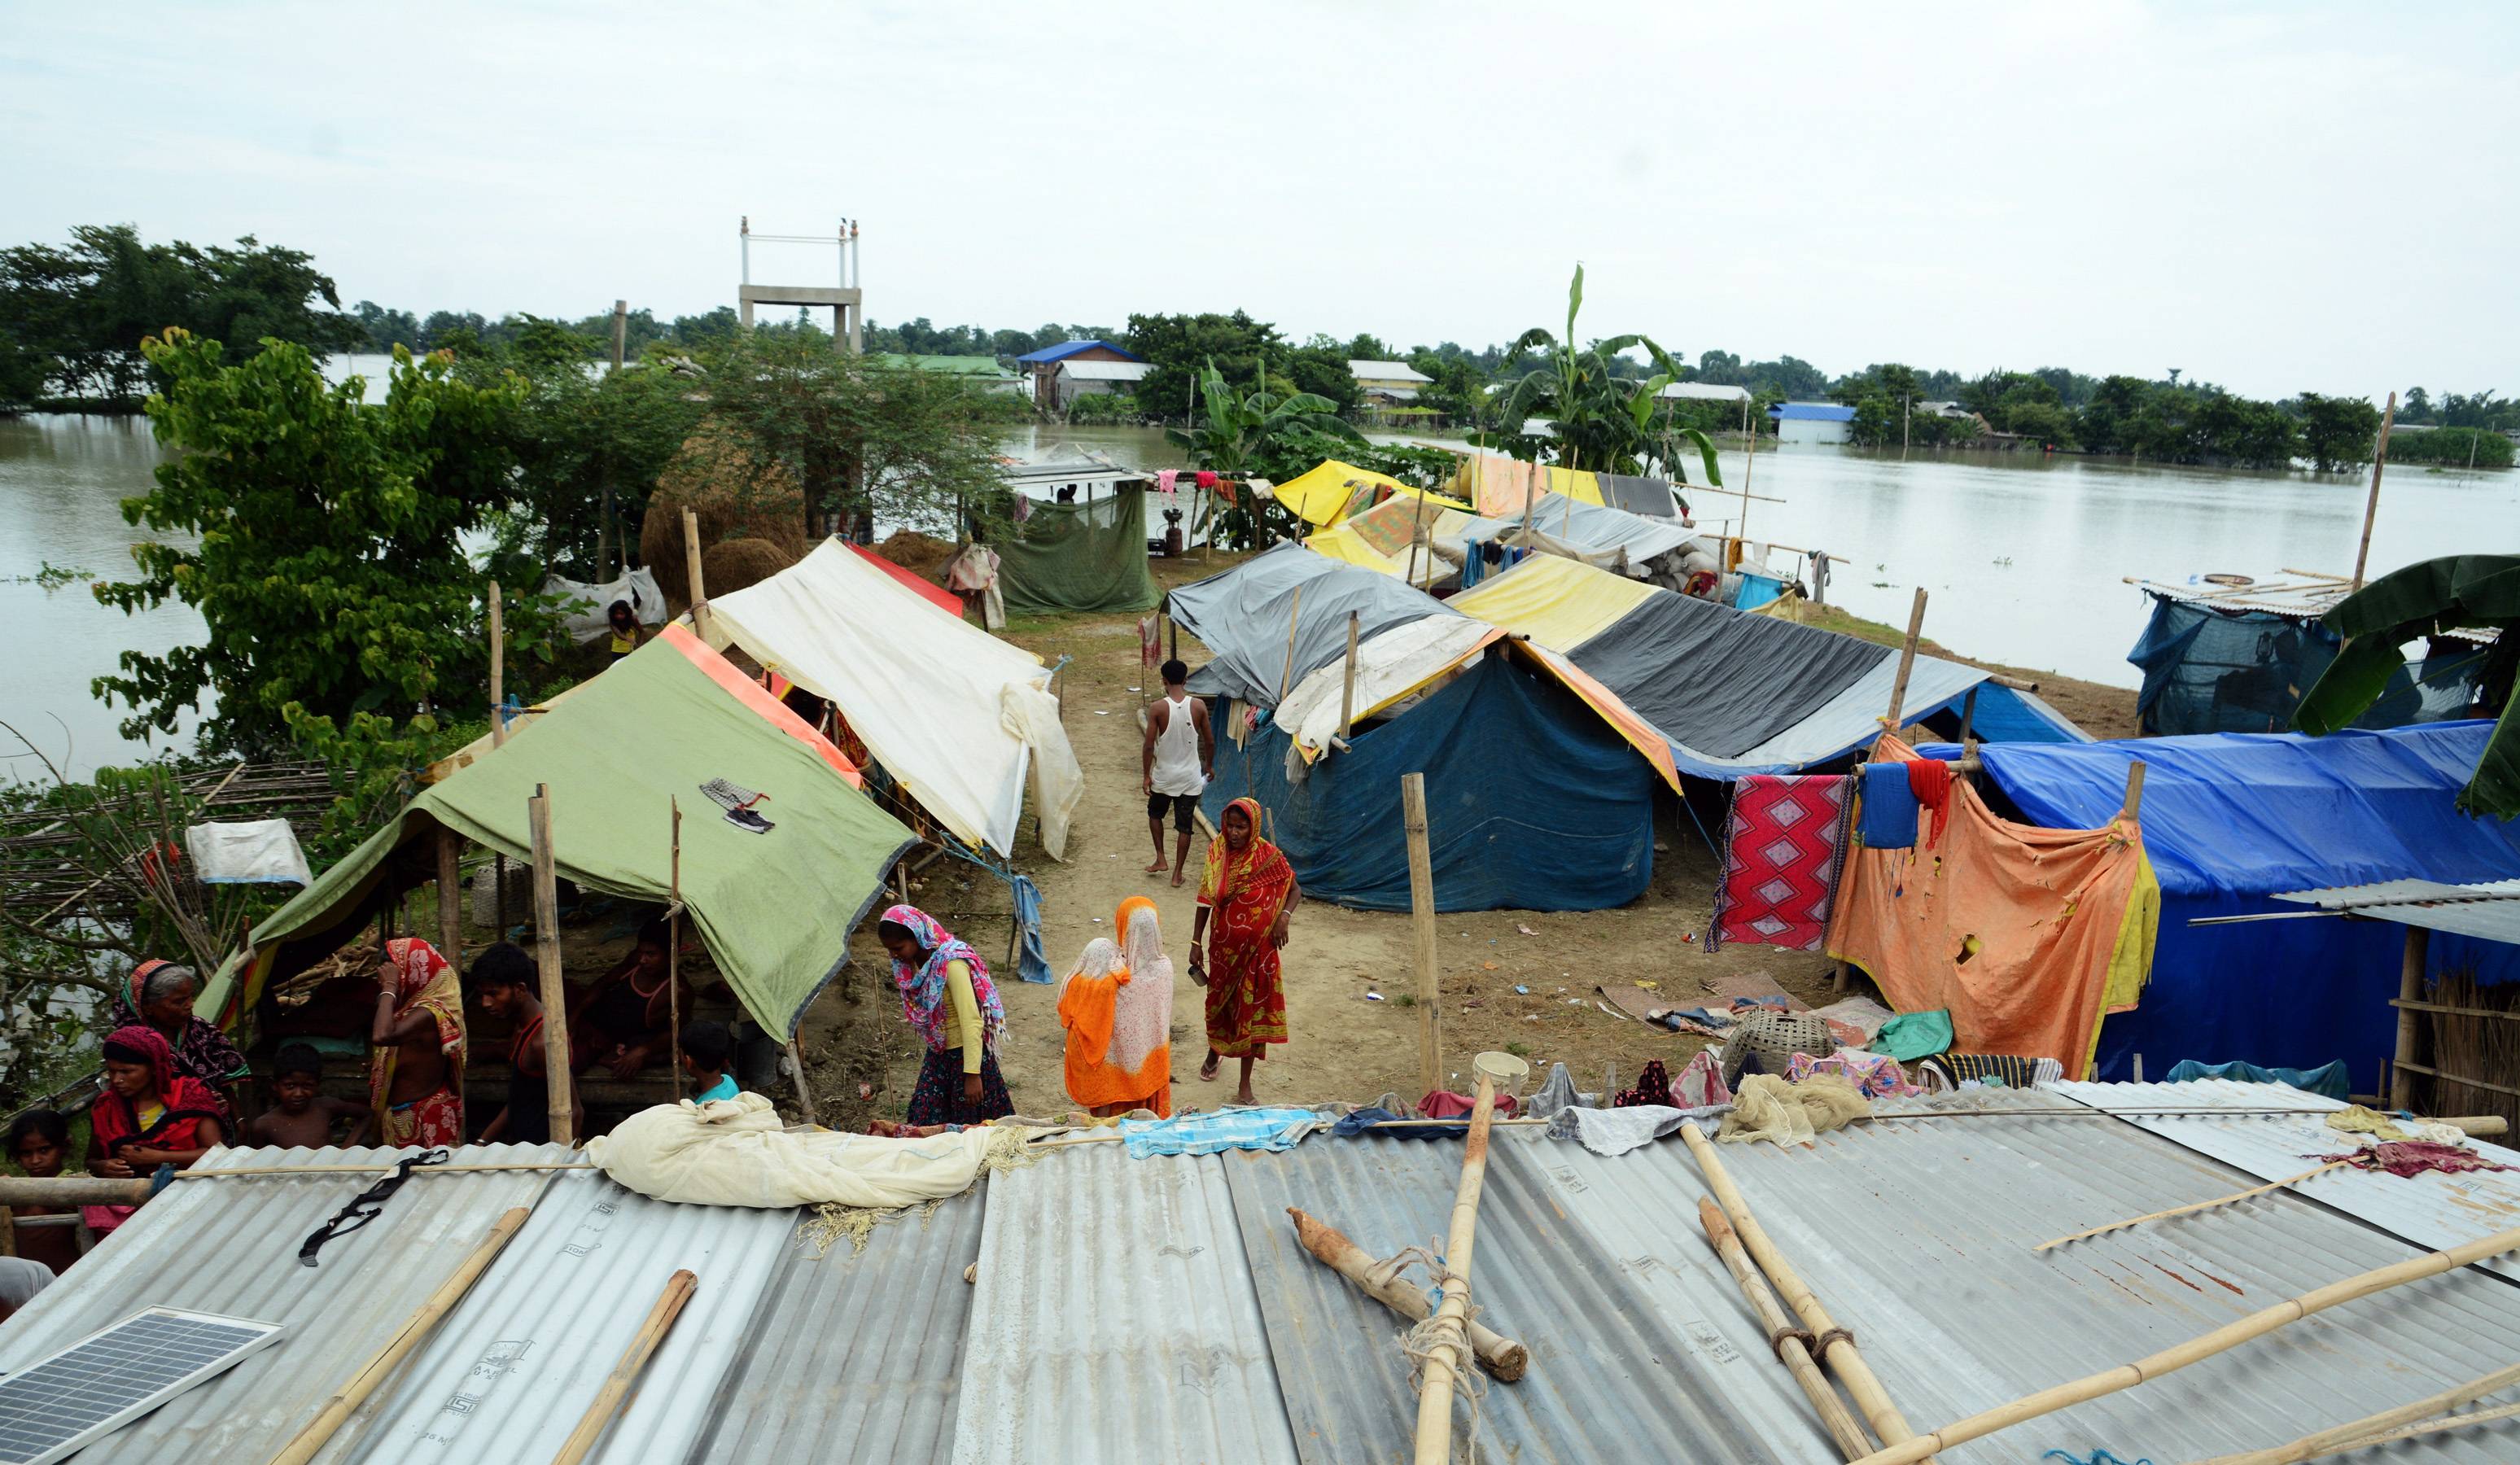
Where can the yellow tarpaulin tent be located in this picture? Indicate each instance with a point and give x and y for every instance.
(1331, 489)
(1501, 487)
(1560, 604)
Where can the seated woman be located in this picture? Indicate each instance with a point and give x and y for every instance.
(161, 995)
(621, 1020)
(149, 1115)
(1117, 1008)
(416, 1075)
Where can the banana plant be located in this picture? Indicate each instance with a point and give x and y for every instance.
(1234, 432)
(2459, 591)
(1600, 419)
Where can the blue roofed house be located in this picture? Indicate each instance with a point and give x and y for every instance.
(1811, 423)
(1043, 366)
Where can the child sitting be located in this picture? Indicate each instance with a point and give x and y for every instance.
(39, 1144)
(709, 1051)
(304, 1116)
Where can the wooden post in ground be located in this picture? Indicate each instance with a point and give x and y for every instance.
(674, 946)
(1422, 931)
(1448, 1351)
(498, 738)
(2372, 506)
(692, 573)
(609, 1400)
(2133, 809)
(1968, 725)
(1347, 690)
(1295, 612)
(1907, 660)
(2410, 989)
(450, 898)
(559, 1084)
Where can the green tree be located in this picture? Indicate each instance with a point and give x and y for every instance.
(1181, 348)
(1260, 432)
(2337, 432)
(2453, 447)
(327, 562)
(1319, 367)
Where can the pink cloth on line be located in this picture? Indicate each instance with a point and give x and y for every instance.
(1701, 1083)
(1445, 1104)
(1165, 478)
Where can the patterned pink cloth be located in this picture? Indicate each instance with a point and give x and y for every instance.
(1782, 842)
(1872, 1075)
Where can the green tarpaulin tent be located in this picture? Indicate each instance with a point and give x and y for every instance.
(775, 894)
(1080, 556)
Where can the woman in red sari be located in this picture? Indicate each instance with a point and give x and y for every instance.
(1245, 899)
(149, 1115)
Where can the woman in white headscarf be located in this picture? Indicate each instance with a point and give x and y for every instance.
(1117, 1008)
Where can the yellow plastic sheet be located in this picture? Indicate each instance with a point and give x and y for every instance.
(1560, 604)
(1501, 487)
(1331, 489)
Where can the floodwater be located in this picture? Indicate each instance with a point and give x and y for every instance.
(2022, 557)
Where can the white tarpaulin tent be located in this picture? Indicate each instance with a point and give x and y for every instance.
(1388, 668)
(958, 716)
(639, 587)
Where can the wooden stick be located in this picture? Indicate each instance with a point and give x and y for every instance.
(1906, 659)
(609, 1398)
(1347, 689)
(1505, 1360)
(1295, 609)
(1837, 1347)
(450, 898)
(346, 1400)
(2410, 992)
(692, 573)
(1447, 1350)
(1422, 932)
(498, 672)
(674, 947)
(2223, 1339)
(1788, 1341)
(2220, 1200)
(557, 1075)
(796, 1076)
(2372, 505)
(2358, 1433)
(2134, 807)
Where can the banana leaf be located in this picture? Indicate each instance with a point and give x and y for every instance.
(2458, 592)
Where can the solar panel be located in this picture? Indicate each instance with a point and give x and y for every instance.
(102, 1382)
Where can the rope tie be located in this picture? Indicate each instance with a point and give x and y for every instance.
(1821, 1345)
(1778, 1339)
(1422, 1342)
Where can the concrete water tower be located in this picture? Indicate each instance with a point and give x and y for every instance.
(845, 299)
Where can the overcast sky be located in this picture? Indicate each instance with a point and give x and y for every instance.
(2276, 197)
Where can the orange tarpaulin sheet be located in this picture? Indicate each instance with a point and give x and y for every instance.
(2025, 934)
(934, 594)
(754, 696)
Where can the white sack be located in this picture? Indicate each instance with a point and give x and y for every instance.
(733, 1152)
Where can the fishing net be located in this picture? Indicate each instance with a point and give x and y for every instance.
(1770, 1108)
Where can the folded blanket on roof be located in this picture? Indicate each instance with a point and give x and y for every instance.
(736, 1152)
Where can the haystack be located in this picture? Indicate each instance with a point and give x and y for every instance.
(920, 553)
(738, 563)
(737, 496)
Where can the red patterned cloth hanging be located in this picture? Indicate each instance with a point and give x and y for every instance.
(1782, 848)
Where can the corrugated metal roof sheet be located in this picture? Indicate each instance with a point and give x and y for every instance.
(231, 1247)
(2488, 911)
(1066, 350)
(1811, 412)
(2430, 1210)
(1385, 370)
(1705, 391)
(2301, 597)
(511, 1372)
(1115, 1319)
(1106, 371)
(860, 1354)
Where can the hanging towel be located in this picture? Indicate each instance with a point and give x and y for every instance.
(1782, 842)
(1888, 820)
(1034, 966)
(1930, 780)
(1205, 479)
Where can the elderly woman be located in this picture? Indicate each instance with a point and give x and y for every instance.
(954, 1009)
(1245, 899)
(159, 994)
(1117, 1008)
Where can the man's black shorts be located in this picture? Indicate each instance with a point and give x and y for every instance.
(1185, 807)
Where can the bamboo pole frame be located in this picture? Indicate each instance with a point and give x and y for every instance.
(1422, 932)
(2205, 1346)
(2220, 1200)
(2372, 505)
(346, 1400)
(1790, 1342)
(1347, 688)
(2411, 992)
(1907, 660)
(674, 949)
(1447, 1353)
(450, 897)
(609, 1398)
(692, 573)
(559, 1082)
(1505, 1360)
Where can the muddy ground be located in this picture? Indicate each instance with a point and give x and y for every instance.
(1343, 1044)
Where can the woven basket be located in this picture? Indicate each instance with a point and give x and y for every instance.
(1776, 1037)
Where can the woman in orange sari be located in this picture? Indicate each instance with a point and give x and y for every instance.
(1245, 899)
(1117, 1008)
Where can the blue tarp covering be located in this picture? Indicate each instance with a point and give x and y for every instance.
(2224, 671)
(2231, 819)
(1532, 802)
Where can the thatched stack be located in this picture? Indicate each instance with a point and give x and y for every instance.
(739, 498)
(920, 553)
(737, 563)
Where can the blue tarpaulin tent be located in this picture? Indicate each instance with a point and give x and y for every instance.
(1532, 802)
(2231, 820)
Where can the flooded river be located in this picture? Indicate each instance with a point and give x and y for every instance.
(2022, 555)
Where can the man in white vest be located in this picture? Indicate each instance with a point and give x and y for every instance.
(1180, 757)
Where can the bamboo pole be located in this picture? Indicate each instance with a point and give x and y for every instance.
(558, 1083)
(1347, 689)
(1295, 609)
(2410, 989)
(1447, 1357)
(2223, 1339)
(1422, 932)
(674, 949)
(1906, 659)
(617, 1384)
(450, 898)
(2220, 1200)
(337, 1409)
(692, 573)
(1837, 1346)
(2372, 505)
(498, 671)
(1790, 1344)
(1505, 1360)
(2132, 809)
(2326, 1442)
